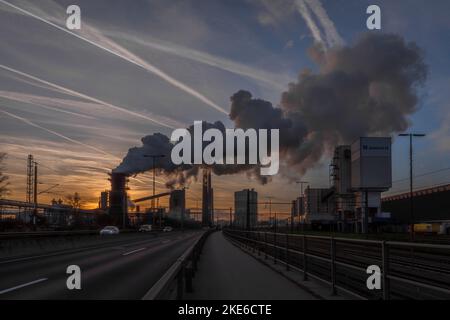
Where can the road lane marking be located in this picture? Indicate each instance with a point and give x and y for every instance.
(165, 241)
(134, 251)
(22, 285)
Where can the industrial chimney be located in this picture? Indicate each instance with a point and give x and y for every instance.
(207, 199)
(118, 204)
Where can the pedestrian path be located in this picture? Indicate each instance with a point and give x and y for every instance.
(225, 272)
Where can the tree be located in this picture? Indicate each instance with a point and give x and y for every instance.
(74, 200)
(3, 177)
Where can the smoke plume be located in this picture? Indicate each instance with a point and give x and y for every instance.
(368, 89)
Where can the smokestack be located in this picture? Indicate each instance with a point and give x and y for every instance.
(206, 199)
(118, 198)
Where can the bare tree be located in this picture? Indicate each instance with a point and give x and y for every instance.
(3, 177)
(74, 200)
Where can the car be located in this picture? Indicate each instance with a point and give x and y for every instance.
(167, 229)
(145, 228)
(109, 230)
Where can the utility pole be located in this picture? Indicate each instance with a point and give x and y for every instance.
(30, 176)
(411, 192)
(365, 217)
(35, 191)
(270, 209)
(231, 219)
(248, 210)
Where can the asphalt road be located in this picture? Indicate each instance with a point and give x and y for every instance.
(125, 269)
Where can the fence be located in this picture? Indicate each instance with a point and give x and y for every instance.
(178, 278)
(407, 270)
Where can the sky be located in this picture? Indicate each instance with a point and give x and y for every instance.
(77, 102)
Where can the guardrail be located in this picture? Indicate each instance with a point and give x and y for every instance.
(178, 278)
(45, 234)
(407, 270)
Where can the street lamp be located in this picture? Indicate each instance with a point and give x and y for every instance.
(411, 204)
(154, 157)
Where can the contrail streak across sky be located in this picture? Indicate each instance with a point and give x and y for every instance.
(58, 134)
(83, 96)
(132, 59)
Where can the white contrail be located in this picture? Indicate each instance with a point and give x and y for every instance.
(32, 99)
(83, 96)
(274, 80)
(58, 134)
(306, 14)
(127, 56)
(332, 36)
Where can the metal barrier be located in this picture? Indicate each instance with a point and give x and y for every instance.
(178, 278)
(47, 234)
(407, 270)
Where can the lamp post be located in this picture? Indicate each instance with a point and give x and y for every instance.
(154, 157)
(411, 201)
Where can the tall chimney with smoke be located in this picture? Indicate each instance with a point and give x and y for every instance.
(118, 208)
(206, 199)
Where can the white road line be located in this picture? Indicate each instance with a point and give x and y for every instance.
(22, 285)
(134, 251)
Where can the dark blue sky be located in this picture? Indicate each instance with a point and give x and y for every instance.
(197, 54)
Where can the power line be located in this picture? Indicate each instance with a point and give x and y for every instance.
(423, 174)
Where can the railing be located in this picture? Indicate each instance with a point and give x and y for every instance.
(407, 270)
(178, 279)
(50, 234)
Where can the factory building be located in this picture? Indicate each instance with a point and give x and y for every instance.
(319, 207)
(430, 205)
(246, 209)
(359, 173)
(341, 184)
(104, 200)
(371, 175)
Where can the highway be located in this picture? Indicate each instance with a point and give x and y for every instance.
(122, 269)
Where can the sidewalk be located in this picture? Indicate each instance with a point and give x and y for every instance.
(225, 272)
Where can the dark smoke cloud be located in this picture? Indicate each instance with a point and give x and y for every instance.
(368, 89)
(137, 160)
